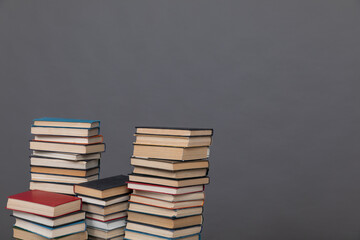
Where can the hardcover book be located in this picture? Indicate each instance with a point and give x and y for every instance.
(169, 165)
(165, 204)
(168, 181)
(66, 122)
(175, 131)
(135, 235)
(173, 141)
(165, 189)
(19, 233)
(103, 234)
(67, 147)
(60, 131)
(170, 213)
(51, 222)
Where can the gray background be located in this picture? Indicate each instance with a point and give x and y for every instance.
(277, 80)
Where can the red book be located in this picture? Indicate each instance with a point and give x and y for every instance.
(44, 203)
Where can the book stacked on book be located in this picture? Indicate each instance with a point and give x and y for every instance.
(170, 171)
(65, 152)
(45, 215)
(105, 202)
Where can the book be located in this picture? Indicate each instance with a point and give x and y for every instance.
(49, 232)
(171, 213)
(172, 141)
(163, 221)
(170, 198)
(66, 122)
(102, 234)
(174, 131)
(59, 131)
(106, 201)
(166, 204)
(169, 164)
(107, 218)
(53, 187)
(43, 203)
(100, 210)
(19, 233)
(104, 188)
(165, 189)
(66, 156)
(51, 222)
(163, 232)
(67, 147)
(192, 173)
(66, 172)
(41, 177)
(109, 225)
(58, 163)
(114, 238)
(67, 139)
(134, 235)
(168, 181)
(170, 153)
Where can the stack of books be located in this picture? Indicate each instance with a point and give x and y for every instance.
(44, 215)
(170, 171)
(65, 152)
(105, 202)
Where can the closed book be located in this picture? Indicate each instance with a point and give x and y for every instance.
(66, 156)
(105, 202)
(103, 234)
(172, 141)
(169, 197)
(67, 147)
(19, 233)
(174, 131)
(68, 164)
(66, 122)
(169, 165)
(104, 188)
(182, 174)
(118, 207)
(43, 203)
(171, 213)
(67, 139)
(164, 189)
(42, 177)
(66, 172)
(51, 222)
(106, 218)
(135, 235)
(53, 187)
(65, 131)
(165, 204)
(168, 181)
(109, 225)
(164, 221)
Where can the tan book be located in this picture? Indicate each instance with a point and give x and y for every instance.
(165, 189)
(58, 163)
(66, 123)
(174, 131)
(106, 218)
(169, 182)
(172, 141)
(165, 222)
(141, 236)
(171, 213)
(53, 187)
(192, 173)
(118, 207)
(169, 197)
(67, 172)
(19, 233)
(67, 147)
(67, 139)
(96, 232)
(165, 204)
(169, 164)
(75, 132)
(170, 153)
(40, 177)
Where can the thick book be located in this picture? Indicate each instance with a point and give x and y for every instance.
(173, 141)
(102, 234)
(66, 122)
(108, 226)
(42, 177)
(105, 202)
(164, 221)
(49, 232)
(67, 147)
(43, 203)
(175, 131)
(51, 222)
(68, 164)
(171, 213)
(106, 218)
(53, 187)
(104, 188)
(182, 174)
(67, 139)
(169, 165)
(100, 210)
(19, 233)
(135, 235)
(168, 181)
(170, 198)
(165, 189)
(61, 131)
(165, 204)
(66, 172)
(66, 156)
(163, 232)
(170, 153)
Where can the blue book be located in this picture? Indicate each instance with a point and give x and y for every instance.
(66, 122)
(136, 235)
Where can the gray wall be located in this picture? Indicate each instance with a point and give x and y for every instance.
(277, 80)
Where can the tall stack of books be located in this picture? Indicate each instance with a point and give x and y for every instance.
(170, 171)
(65, 152)
(44, 215)
(105, 202)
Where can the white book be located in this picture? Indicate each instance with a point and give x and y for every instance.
(61, 179)
(67, 156)
(48, 162)
(105, 202)
(68, 139)
(111, 225)
(51, 222)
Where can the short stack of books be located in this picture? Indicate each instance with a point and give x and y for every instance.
(105, 202)
(44, 215)
(170, 171)
(65, 152)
